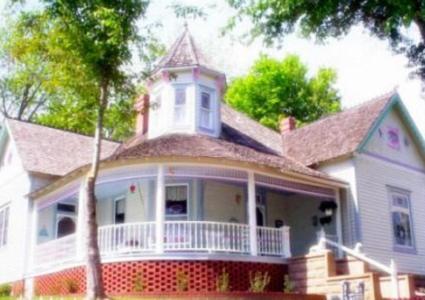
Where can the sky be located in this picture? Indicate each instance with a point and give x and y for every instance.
(365, 65)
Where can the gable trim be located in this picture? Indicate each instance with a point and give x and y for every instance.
(395, 102)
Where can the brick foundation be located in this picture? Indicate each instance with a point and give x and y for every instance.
(160, 276)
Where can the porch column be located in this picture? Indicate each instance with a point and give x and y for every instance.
(338, 220)
(252, 214)
(80, 232)
(33, 237)
(160, 210)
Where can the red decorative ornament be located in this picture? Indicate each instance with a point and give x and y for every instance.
(132, 188)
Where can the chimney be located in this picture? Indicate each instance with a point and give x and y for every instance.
(142, 119)
(287, 125)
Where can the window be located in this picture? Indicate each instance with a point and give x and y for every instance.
(4, 225)
(119, 216)
(65, 219)
(206, 109)
(401, 219)
(180, 106)
(176, 202)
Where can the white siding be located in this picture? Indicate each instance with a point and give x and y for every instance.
(14, 185)
(345, 170)
(373, 177)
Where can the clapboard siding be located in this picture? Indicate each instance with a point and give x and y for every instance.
(373, 176)
(345, 170)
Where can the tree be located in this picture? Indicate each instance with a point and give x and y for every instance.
(273, 89)
(98, 35)
(385, 19)
(44, 84)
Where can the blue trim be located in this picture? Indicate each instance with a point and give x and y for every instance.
(407, 120)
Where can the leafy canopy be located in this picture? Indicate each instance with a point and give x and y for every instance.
(274, 89)
(386, 19)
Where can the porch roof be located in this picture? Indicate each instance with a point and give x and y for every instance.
(195, 146)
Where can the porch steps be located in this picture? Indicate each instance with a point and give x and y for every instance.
(321, 273)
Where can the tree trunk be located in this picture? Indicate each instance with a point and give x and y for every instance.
(95, 288)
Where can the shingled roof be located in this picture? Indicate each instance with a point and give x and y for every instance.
(195, 146)
(53, 151)
(183, 53)
(334, 136)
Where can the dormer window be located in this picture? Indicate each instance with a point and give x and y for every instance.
(180, 105)
(206, 109)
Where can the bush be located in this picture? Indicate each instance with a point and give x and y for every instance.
(5, 290)
(71, 286)
(258, 282)
(288, 285)
(182, 281)
(222, 282)
(139, 285)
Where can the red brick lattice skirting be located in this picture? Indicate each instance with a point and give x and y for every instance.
(160, 276)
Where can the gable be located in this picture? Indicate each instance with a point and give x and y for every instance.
(394, 138)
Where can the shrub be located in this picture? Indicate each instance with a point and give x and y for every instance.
(5, 290)
(182, 281)
(222, 282)
(139, 284)
(258, 282)
(288, 285)
(71, 286)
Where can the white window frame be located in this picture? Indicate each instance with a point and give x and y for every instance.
(210, 111)
(180, 217)
(4, 229)
(114, 212)
(182, 107)
(393, 191)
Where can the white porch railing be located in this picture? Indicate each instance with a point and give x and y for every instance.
(179, 236)
(125, 238)
(55, 252)
(204, 236)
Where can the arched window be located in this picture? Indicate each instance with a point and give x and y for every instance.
(65, 226)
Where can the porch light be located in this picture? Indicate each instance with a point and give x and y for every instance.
(328, 207)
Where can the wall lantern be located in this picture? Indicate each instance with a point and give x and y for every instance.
(328, 207)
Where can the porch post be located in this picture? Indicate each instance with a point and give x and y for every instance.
(33, 237)
(80, 232)
(160, 210)
(338, 220)
(252, 214)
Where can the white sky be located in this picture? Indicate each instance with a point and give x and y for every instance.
(366, 67)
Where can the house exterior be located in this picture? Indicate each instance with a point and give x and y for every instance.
(202, 188)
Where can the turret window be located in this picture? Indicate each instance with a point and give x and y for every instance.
(180, 106)
(206, 119)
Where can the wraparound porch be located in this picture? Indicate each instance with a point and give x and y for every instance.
(208, 210)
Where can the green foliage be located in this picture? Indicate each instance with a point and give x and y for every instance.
(386, 19)
(274, 89)
(5, 290)
(71, 285)
(288, 285)
(258, 282)
(139, 284)
(49, 81)
(223, 282)
(182, 281)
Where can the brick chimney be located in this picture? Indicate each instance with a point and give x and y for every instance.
(287, 125)
(142, 119)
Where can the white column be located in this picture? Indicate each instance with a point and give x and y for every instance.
(160, 210)
(394, 280)
(286, 241)
(338, 220)
(252, 214)
(33, 237)
(80, 235)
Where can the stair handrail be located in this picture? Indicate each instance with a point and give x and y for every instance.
(391, 269)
